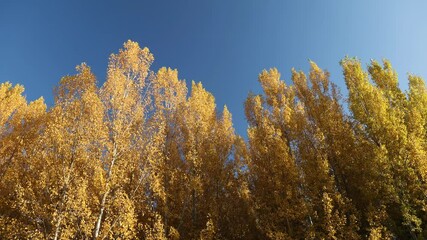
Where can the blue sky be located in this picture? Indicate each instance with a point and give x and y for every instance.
(223, 43)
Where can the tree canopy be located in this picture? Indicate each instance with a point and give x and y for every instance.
(145, 156)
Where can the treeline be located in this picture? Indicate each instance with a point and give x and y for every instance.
(143, 157)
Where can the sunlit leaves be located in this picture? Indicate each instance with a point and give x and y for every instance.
(145, 156)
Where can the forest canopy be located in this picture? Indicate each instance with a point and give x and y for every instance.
(142, 156)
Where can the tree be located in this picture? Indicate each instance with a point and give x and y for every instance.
(72, 146)
(381, 109)
(144, 157)
(125, 99)
(20, 126)
(279, 207)
(324, 141)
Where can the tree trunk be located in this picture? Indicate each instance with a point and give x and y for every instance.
(105, 195)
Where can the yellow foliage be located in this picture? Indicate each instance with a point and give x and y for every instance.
(144, 157)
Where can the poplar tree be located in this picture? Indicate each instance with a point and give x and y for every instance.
(21, 124)
(144, 156)
(279, 206)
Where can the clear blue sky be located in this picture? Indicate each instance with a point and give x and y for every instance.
(225, 44)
